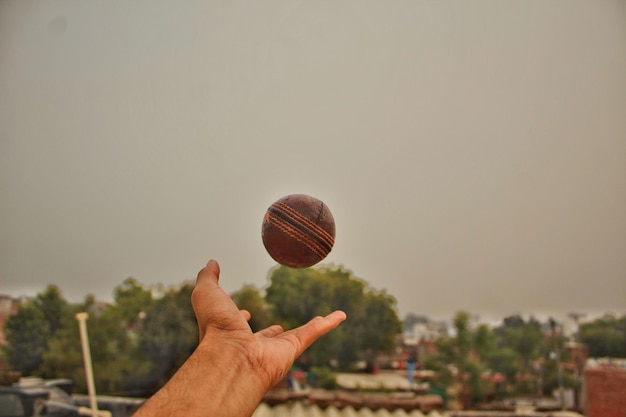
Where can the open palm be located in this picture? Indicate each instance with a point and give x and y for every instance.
(270, 351)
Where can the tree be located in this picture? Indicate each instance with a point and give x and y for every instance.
(29, 331)
(131, 300)
(525, 338)
(169, 334)
(462, 361)
(453, 364)
(605, 337)
(469, 369)
(250, 298)
(505, 361)
(53, 306)
(380, 315)
(27, 334)
(116, 359)
(485, 342)
(463, 335)
(297, 295)
(64, 358)
(116, 362)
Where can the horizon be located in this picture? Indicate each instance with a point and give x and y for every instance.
(493, 320)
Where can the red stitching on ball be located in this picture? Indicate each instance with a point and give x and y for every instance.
(317, 230)
(299, 236)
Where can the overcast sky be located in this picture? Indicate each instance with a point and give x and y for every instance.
(473, 154)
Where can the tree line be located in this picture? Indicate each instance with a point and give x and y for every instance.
(527, 356)
(140, 339)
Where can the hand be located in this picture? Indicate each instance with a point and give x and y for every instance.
(270, 351)
(232, 368)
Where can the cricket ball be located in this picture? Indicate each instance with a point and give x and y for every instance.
(298, 231)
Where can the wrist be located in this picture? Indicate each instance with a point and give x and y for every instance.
(215, 381)
(228, 368)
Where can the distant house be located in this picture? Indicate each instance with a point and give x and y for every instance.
(8, 307)
(605, 388)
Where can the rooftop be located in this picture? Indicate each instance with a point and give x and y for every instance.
(301, 409)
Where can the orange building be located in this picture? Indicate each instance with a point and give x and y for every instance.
(605, 389)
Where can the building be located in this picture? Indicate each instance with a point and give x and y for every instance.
(605, 388)
(578, 354)
(8, 307)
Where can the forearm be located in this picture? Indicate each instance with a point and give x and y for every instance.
(209, 384)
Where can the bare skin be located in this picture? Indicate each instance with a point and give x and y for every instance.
(232, 368)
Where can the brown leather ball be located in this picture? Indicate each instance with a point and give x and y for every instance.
(298, 231)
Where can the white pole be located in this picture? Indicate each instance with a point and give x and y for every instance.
(84, 339)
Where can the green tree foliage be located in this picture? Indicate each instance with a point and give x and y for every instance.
(525, 340)
(136, 343)
(131, 302)
(485, 342)
(298, 295)
(550, 382)
(381, 321)
(526, 353)
(469, 367)
(605, 337)
(169, 334)
(505, 360)
(553, 354)
(115, 360)
(497, 358)
(53, 306)
(463, 359)
(63, 357)
(250, 298)
(112, 351)
(463, 335)
(27, 334)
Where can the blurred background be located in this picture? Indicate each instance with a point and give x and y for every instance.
(473, 154)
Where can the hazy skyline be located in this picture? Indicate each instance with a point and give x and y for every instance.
(473, 154)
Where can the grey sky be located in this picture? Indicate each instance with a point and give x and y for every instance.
(473, 153)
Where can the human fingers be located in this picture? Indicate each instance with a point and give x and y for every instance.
(271, 331)
(246, 314)
(314, 329)
(212, 306)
